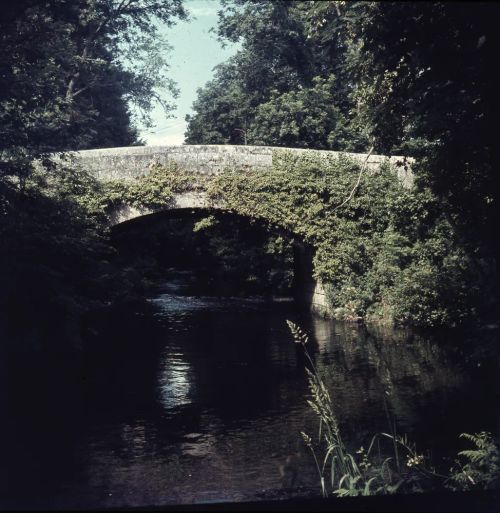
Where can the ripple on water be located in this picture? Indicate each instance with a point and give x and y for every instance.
(171, 303)
(174, 383)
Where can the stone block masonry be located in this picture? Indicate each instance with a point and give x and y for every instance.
(131, 162)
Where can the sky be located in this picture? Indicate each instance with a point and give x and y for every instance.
(195, 53)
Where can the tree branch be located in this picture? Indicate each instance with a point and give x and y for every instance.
(363, 167)
(86, 50)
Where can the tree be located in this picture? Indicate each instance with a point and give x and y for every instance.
(275, 52)
(69, 67)
(423, 87)
(412, 78)
(276, 74)
(273, 58)
(422, 78)
(305, 118)
(68, 72)
(124, 34)
(222, 109)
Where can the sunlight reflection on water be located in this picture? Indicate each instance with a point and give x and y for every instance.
(175, 382)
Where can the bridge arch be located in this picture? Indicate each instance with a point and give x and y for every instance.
(180, 205)
(130, 164)
(304, 285)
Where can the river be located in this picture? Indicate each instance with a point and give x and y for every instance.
(203, 399)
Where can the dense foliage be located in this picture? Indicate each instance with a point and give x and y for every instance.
(479, 467)
(72, 70)
(153, 190)
(277, 89)
(407, 78)
(70, 73)
(370, 251)
(374, 251)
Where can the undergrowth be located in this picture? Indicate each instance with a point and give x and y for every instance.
(366, 472)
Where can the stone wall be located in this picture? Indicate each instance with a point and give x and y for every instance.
(319, 303)
(131, 162)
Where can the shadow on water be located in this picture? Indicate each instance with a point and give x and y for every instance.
(202, 399)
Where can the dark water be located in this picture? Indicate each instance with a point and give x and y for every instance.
(203, 399)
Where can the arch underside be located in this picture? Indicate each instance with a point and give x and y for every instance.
(184, 201)
(127, 216)
(309, 292)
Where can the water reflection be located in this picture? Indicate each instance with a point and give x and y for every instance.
(420, 382)
(175, 380)
(209, 405)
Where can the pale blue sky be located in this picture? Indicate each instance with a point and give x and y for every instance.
(195, 53)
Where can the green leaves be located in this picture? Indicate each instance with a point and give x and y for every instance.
(299, 336)
(415, 77)
(480, 469)
(301, 194)
(386, 254)
(154, 190)
(278, 89)
(304, 118)
(72, 71)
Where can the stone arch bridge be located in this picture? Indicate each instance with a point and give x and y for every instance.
(131, 163)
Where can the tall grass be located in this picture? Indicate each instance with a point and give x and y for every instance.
(342, 473)
(339, 471)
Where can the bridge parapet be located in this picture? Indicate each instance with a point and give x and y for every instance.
(131, 162)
